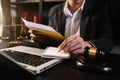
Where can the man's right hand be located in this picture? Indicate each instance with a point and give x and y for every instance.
(37, 38)
(42, 40)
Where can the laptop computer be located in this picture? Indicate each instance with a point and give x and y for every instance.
(28, 59)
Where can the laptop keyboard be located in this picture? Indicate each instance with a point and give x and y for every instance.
(25, 58)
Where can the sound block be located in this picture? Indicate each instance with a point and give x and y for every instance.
(93, 66)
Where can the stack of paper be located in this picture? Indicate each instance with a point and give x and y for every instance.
(53, 52)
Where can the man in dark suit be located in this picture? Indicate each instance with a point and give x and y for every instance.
(84, 23)
(95, 29)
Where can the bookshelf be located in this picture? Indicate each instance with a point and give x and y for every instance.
(34, 8)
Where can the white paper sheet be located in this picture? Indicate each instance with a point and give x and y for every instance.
(53, 52)
(36, 25)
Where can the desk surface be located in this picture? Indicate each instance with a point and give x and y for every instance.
(63, 71)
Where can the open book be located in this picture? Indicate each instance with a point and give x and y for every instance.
(43, 30)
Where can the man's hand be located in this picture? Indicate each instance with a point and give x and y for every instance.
(42, 40)
(74, 44)
(37, 38)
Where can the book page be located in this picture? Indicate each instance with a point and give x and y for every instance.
(44, 30)
(37, 26)
(53, 52)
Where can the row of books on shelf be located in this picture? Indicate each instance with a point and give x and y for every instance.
(31, 16)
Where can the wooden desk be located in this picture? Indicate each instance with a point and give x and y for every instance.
(64, 71)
